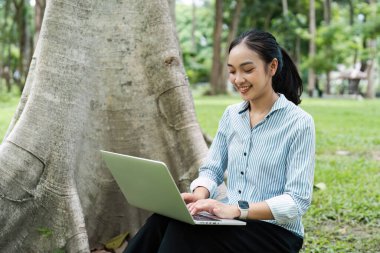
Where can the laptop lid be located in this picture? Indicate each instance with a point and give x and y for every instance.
(148, 184)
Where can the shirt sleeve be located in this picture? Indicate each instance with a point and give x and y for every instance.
(211, 173)
(299, 176)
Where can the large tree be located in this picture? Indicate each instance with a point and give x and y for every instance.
(105, 75)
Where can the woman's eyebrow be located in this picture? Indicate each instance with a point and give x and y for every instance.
(242, 64)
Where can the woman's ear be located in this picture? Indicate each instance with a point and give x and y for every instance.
(273, 66)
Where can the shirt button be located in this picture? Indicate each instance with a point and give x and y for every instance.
(241, 172)
(245, 153)
(239, 191)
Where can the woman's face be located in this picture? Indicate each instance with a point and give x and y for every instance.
(250, 75)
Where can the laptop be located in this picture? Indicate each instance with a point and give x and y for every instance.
(148, 184)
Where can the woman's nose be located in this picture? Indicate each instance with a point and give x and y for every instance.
(239, 80)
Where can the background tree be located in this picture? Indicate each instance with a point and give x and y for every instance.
(232, 32)
(197, 58)
(216, 69)
(338, 41)
(39, 11)
(95, 82)
(16, 40)
(218, 81)
(327, 20)
(372, 48)
(312, 49)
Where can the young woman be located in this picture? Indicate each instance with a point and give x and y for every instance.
(267, 145)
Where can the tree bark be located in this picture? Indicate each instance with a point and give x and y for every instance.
(223, 76)
(312, 49)
(172, 10)
(20, 20)
(371, 69)
(298, 52)
(39, 10)
(98, 80)
(193, 26)
(217, 49)
(327, 18)
(285, 8)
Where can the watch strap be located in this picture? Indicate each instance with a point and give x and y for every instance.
(244, 208)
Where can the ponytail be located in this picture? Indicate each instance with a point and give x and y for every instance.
(286, 80)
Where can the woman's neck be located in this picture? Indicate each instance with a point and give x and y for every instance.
(264, 104)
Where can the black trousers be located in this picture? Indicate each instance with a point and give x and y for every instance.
(165, 235)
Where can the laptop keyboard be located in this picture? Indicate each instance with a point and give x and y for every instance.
(200, 217)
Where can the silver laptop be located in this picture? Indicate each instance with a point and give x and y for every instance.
(148, 184)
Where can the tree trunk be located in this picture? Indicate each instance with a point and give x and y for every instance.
(98, 80)
(268, 20)
(4, 30)
(312, 30)
(20, 20)
(172, 10)
(298, 52)
(351, 12)
(223, 77)
(193, 26)
(285, 7)
(370, 93)
(217, 41)
(327, 19)
(39, 10)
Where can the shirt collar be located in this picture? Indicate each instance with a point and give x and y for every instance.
(280, 103)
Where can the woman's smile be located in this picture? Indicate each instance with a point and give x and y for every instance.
(243, 89)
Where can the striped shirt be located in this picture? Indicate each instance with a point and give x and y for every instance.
(271, 162)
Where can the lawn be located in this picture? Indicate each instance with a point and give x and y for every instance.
(345, 217)
(8, 105)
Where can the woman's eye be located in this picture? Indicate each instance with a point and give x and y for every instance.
(248, 70)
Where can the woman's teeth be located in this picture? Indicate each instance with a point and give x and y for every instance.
(244, 89)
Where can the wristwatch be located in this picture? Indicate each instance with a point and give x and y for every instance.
(243, 207)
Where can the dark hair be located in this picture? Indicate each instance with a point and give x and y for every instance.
(286, 79)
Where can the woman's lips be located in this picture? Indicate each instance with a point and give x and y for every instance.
(244, 89)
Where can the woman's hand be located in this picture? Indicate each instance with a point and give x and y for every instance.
(214, 207)
(199, 193)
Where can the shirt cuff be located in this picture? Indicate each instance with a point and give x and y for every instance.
(204, 182)
(283, 208)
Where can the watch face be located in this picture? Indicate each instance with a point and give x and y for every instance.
(243, 204)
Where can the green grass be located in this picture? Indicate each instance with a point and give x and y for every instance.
(8, 105)
(346, 216)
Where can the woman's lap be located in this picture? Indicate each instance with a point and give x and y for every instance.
(161, 234)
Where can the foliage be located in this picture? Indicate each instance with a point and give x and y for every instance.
(197, 57)
(197, 48)
(11, 33)
(342, 42)
(339, 42)
(344, 217)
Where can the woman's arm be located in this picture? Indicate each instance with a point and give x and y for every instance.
(299, 176)
(199, 193)
(257, 211)
(211, 173)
